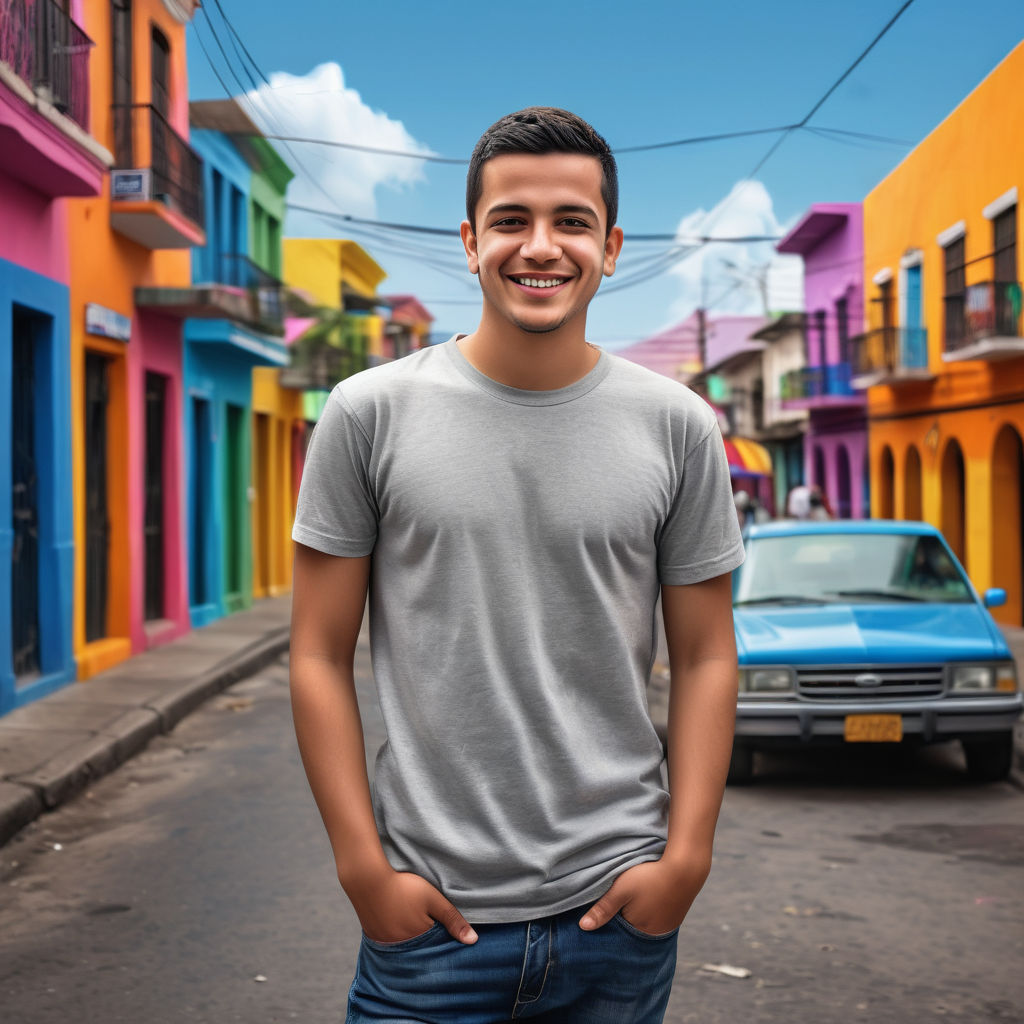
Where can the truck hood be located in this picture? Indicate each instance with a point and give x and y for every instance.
(863, 634)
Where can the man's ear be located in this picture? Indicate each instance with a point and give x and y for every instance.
(612, 248)
(469, 244)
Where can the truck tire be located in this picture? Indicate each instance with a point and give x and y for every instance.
(989, 758)
(741, 766)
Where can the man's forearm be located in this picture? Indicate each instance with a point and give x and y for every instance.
(330, 737)
(701, 718)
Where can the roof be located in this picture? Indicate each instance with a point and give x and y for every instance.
(782, 324)
(816, 225)
(789, 527)
(221, 116)
(407, 309)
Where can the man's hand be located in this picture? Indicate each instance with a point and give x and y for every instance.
(654, 896)
(393, 906)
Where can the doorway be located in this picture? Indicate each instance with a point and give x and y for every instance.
(25, 644)
(97, 509)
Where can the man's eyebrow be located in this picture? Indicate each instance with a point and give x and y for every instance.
(520, 208)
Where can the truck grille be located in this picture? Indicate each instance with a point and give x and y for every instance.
(894, 682)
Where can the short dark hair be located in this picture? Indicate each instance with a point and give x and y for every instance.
(542, 130)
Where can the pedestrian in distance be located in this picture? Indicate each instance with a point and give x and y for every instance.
(513, 501)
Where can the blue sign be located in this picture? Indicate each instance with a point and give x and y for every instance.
(106, 323)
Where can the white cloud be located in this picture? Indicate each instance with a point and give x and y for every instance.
(737, 277)
(320, 106)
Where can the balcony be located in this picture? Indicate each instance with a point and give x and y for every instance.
(890, 355)
(819, 387)
(984, 322)
(44, 101)
(157, 187)
(318, 361)
(243, 310)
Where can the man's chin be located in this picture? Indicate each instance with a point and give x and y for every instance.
(535, 328)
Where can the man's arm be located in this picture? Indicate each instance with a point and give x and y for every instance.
(328, 599)
(657, 895)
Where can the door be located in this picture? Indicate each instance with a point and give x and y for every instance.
(97, 518)
(24, 500)
(235, 508)
(153, 529)
(201, 458)
(915, 353)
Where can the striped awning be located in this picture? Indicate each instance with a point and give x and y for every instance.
(747, 458)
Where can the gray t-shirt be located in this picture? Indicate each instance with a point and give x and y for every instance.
(519, 539)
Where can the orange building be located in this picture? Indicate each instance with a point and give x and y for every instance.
(130, 587)
(944, 358)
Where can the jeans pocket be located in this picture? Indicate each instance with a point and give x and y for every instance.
(644, 936)
(398, 947)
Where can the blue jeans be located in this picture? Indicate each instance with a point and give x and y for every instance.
(548, 971)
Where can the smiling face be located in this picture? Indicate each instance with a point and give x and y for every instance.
(541, 243)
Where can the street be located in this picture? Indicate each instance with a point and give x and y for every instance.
(195, 884)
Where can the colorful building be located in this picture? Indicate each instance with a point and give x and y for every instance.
(944, 354)
(235, 322)
(408, 326)
(830, 239)
(47, 153)
(131, 583)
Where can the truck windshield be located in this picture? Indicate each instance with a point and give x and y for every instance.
(857, 567)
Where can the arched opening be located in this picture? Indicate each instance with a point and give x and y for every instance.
(886, 475)
(1006, 522)
(953, 500)
(843, 509)
(912, 507)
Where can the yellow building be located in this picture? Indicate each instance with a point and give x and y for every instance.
(944, 358)
(338, 274)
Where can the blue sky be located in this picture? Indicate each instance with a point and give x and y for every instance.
(431, 77)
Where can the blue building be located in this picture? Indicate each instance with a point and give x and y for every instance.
(235, 323)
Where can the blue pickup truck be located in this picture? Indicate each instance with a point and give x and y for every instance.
(868, 631)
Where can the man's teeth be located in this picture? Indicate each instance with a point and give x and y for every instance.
(536, 282)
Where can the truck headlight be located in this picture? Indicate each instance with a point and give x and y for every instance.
(998, 677)
(766, 681)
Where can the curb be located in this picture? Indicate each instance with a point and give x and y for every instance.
(23, 798)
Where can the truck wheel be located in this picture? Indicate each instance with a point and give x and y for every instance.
(741, 766)
(989, 759)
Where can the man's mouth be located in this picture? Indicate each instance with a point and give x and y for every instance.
(538, 282)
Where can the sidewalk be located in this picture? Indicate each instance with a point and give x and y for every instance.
(53, 748)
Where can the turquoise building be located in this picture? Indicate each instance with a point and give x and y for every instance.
(235, 323)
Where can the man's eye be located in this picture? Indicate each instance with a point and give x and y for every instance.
(574, 222)
(508, 222)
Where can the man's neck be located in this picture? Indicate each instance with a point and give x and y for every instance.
(530, 362)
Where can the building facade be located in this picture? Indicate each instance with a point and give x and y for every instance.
(830, 238)
(48, 152)
(943, 358)
(131, 587)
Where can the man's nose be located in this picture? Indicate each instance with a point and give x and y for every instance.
(541, 245)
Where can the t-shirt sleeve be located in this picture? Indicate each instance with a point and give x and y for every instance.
(337, 511)
(701, 537)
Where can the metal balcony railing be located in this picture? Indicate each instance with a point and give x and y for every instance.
(817, 382)
(988, 309)
(266, 290)
(889, 351)
(145, 138)
(50, 52)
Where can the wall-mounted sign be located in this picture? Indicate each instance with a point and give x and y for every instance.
(130, 184)
(106, 323)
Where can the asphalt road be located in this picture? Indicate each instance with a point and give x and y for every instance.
(195, 884)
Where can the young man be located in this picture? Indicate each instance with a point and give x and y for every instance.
(514, 500)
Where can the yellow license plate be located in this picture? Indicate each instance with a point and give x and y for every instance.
(873, 729)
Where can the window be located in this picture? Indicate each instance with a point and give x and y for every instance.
(954, 295)
(843, 329)
(1004, 238)
(819, 332)
(160, 72)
